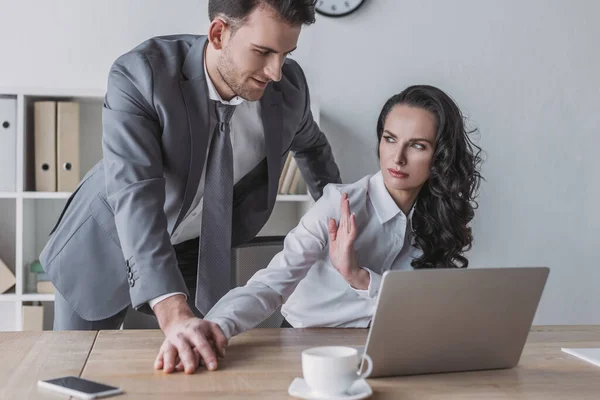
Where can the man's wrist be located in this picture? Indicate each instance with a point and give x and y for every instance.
(152, 303)
(172, 309)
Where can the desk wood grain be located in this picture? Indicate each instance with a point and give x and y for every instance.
(27, 357)
(261, 364)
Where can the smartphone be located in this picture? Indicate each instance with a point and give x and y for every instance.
(80, 388)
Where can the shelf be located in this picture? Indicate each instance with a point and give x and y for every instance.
(34, 195)
(46, 195)
(27, 297)
(294, 197)
(8, 297)
(50, 92)
(27, 216)
(37, 297)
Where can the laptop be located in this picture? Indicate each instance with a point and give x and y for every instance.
(450, 320)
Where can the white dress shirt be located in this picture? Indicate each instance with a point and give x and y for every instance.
(248, 143)
(301, 276)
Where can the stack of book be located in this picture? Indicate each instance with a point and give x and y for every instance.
(291, 181)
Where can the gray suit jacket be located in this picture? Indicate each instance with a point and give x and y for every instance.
(111, 245)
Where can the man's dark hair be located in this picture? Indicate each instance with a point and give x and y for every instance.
(294, 12)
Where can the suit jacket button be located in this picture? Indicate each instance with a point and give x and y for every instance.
(131, 282)
(130, 275)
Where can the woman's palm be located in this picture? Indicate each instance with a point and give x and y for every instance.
(341, 240)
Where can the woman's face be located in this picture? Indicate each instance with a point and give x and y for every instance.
(406, 148)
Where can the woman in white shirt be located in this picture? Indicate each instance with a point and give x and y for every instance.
(413, 213)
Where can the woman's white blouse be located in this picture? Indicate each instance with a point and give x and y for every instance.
(301, 277)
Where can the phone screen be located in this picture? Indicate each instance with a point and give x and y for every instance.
(81, 385)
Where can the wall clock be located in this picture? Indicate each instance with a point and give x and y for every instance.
(337, 8)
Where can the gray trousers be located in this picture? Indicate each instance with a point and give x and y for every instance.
(65, 318)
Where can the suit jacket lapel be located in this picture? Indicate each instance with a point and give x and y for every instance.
(195, 95)
(273, 126)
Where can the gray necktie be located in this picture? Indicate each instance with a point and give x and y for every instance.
(214, 258)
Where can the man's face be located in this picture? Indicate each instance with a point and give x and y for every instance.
(253, 55)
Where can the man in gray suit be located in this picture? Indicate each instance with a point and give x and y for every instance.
(195, 133)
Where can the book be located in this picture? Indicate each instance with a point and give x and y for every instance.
(7, 278)
(67, 146)
(45, 287)
(286, 165)
(289, 175)
(295, 181)
(44, 128)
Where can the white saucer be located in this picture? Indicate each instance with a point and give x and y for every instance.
(359, 390)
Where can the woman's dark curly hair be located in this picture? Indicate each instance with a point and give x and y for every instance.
(446, 203)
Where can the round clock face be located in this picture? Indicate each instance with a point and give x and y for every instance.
(337, 8)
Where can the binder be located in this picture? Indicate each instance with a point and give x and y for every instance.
(67, 145)
(7, 278)
(289, 175)
(8, 144)
(45, 145)
(284, 171)
(33, 318)
(295, 181)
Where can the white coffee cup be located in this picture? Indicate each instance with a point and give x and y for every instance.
(331, 370)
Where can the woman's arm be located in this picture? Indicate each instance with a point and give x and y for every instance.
(341, 247)
(245, 307)
(343, 255)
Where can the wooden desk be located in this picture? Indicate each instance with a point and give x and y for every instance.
(261, 364)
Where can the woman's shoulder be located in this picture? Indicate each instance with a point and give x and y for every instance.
(355, 190)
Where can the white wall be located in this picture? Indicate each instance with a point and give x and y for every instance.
(526, 72)
(72, 43)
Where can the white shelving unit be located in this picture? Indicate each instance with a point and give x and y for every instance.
(26, 216)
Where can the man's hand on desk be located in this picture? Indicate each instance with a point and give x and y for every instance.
(188, 339)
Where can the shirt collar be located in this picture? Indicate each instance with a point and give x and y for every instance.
(214, 95)
(385, 207)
